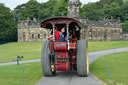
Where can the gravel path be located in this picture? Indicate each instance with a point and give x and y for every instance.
(71, 78)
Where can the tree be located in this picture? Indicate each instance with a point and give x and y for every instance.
(47, 9)
(124, 12)
(119, 2)
(92, 11)
(125, 27)
(111, 10)
(102, 9)
(30, 9)
(61, 8)
(8, 26)
(34, 9)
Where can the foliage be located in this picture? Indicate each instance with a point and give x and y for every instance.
(61, 8)
(119, 2)
(30, 9)
(34, 9)
(92, 11)
(125, 27)
(124, 12)
(111, 10)
(8, 26)
(102, 9)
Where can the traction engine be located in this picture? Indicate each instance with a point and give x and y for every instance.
(70, 55)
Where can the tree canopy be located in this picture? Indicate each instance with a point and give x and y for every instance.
(34, 9)
(8, 26)
(102, 9)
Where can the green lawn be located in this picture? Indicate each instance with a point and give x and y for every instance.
(13, 74)
(118, 65)
(32, 50)
(104, 45)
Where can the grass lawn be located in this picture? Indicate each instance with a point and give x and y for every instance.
(32, 50)
(104, 45)
(13, 74)
(118, 65)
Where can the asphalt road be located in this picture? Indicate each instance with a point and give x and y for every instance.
(71, 78)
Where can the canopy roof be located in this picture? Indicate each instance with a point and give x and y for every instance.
(48, 23)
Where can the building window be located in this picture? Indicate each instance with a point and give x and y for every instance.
(38, 36)
(32, 36)
(24, 37)
(44, 36)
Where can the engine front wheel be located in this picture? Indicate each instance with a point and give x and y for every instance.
(45, 60)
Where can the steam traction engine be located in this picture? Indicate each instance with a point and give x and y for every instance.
(64, 56)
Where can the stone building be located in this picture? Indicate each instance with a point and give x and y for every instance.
(30, 30)
(103, 30)
(124, 36)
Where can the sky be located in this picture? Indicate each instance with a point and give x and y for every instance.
(13, 3)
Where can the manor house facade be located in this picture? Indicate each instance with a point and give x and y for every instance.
(103, 30)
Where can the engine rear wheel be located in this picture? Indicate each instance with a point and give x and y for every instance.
(82, 58)
(45, 60)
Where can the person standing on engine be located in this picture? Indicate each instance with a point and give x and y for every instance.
(61, 35)
(57, 34)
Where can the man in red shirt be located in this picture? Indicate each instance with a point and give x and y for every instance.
(57, 35)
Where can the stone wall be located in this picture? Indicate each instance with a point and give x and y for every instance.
(124, 36)
(32, 34)
(91, 33)
(103, 33)
(105, 30)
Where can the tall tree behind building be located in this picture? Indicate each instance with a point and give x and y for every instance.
(8, 26)
(34, 9)
(102, 9)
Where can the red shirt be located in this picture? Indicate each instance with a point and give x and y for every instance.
(57, 34)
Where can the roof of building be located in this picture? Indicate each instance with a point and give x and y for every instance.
(102, 23)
